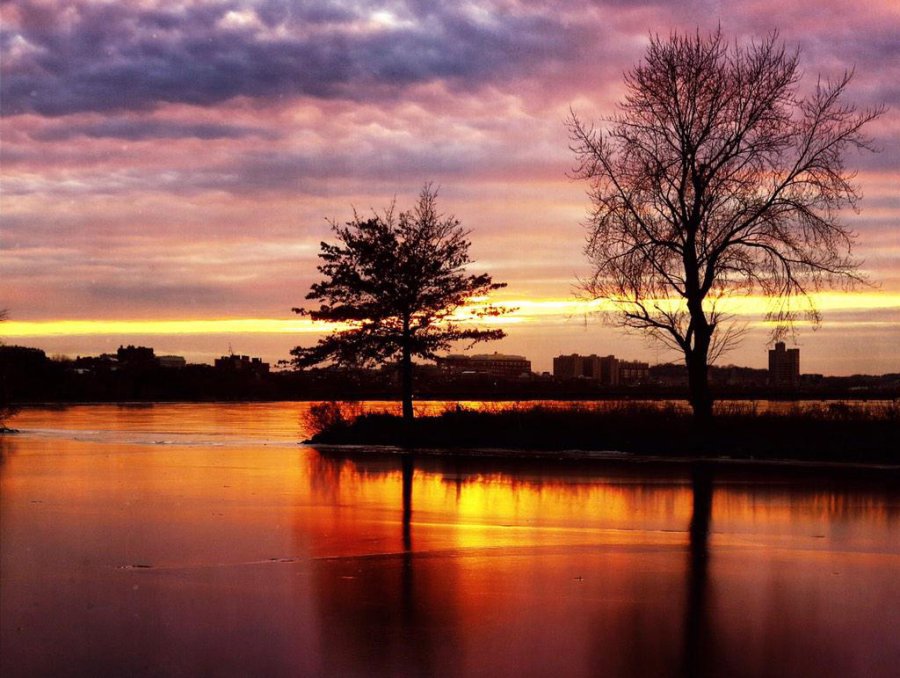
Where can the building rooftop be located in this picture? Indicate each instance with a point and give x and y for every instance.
(487, 356)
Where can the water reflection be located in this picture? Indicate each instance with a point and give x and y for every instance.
(380, 614)
(695, 627)
(407, 466)
(129, 558)
(590, 590)
(579, 590)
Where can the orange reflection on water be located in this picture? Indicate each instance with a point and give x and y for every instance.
(458, 508)
(187, 539)
(598, 568)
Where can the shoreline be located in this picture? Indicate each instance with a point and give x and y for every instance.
(828, 432)
(485, 398)
(606, 457)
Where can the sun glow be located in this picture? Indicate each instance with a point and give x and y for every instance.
(747, 306)
(520, 311)
(210, 326)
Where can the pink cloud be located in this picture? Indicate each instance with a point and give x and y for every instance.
(135, 185)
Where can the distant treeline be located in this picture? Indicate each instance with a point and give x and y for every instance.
(27, 375)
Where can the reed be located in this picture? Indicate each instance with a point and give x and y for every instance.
(826, 432)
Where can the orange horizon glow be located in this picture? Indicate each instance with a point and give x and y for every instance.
(521, 311)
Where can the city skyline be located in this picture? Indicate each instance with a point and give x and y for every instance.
(168, 170)
(568, 365)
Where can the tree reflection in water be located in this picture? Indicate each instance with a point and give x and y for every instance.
(696, 629)
(407, 468)
(407, 587)
(532, 566)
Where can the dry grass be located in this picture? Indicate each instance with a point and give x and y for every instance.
(824, 431)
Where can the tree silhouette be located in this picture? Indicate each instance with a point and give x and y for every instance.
(397, 285)
(717, 177)
(7, 409)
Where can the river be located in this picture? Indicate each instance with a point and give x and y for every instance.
(186, 540)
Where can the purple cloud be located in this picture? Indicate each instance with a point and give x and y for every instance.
(115, 57)
(143, 130)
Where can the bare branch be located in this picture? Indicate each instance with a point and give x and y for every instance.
(717, 177)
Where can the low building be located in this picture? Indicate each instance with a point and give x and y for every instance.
(607, 370)
(784, 366)
(493, 364)
(737, 376)
(105, 362)
(603, 369)
(668, 375)
(174, 362)
(242, 363)
(135, 355)
(633, 372)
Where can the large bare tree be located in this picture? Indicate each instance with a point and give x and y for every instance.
(718, 176)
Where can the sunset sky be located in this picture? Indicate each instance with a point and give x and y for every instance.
(168, 168)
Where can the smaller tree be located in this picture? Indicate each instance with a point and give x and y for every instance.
(7, 409)
(397, 284)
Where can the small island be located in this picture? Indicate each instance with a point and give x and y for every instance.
(821, 432)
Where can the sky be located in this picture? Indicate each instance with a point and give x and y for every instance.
(168, 169)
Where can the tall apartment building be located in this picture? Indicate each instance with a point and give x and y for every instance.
(784, 366)
(566, 366)
(606, 370)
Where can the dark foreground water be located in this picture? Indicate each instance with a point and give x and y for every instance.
(201, 540)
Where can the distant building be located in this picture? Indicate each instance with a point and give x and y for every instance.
(493, 364)
(242, 363)
(568, 366)
(633, 372)
(736, 376)
(105, 362)
(135, 355)
(668, 375)
(574, 366)
(607, 370)
(784, 366)
(175, 362)
(22, 355)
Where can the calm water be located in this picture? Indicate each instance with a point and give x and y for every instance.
(202, 540)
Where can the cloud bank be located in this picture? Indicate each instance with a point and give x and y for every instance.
(182, 159)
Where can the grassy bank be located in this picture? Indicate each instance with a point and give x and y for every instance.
(833, 432)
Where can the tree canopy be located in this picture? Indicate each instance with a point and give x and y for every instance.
(718, 176)
(396, 286)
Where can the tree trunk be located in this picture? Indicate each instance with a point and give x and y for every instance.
(698, 385)
(696, 624)
(697, 359)
(406, 463)
(697, 355)
(406, 381)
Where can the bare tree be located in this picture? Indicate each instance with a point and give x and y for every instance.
(399, 283)
(716, 178)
